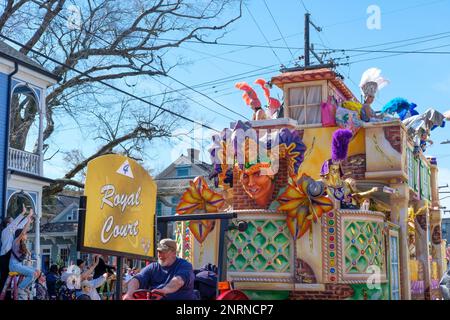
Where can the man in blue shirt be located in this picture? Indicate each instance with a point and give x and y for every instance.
(171, 276)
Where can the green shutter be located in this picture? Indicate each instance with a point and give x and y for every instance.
(416, 169)
(429, 183)
(422, 181)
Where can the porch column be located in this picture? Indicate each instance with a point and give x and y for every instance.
(37, 232)
(42, 110)
(399, 215)
(422, 248)
(438, 245)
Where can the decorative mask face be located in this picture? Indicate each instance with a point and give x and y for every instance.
(334, 169)
(436, 236)
(422, 220)
(258, 186)
(333, 178)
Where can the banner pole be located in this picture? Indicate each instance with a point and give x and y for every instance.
(81, 218)
(118, 293)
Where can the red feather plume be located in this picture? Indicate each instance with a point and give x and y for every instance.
(250, 97)
(273, 103)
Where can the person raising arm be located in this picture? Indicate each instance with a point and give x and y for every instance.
(19, 253)
(86, 274)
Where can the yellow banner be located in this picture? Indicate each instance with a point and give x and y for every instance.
(120, 210)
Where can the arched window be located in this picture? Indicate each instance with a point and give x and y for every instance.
(24, 121)
(25, 130)
(16, 203)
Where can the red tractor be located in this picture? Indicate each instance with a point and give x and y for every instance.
(215, 276)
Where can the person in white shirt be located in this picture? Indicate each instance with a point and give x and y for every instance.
(12, 225)
(7, 238)
(89, 286)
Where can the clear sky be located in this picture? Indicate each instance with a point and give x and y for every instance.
(420, 78)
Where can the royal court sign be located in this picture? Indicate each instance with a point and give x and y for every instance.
(120, 208)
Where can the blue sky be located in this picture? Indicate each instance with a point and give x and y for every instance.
(420, 78)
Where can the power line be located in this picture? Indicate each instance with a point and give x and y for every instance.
(220, 57)
(405, 52)
(301, 48)
(220, 82)
(388, 50)
(226, 79)
(281, 34)
(108, 85)
(394, 47)
(404, 40)
(189, 98)
(169, 76)
(245, 46)
(304, 7)
(262, 33)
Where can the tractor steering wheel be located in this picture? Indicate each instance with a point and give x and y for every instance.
(148, 295)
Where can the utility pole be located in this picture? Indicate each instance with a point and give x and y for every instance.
(308, 47)
(307, 22)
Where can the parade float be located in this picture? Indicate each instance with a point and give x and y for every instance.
(339, 200)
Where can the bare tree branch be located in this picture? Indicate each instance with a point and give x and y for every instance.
(115, 40)
(10, 9)
(49, 16)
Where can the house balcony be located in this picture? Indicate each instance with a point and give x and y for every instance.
(24, 161)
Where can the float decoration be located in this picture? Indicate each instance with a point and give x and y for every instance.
(199, 197)
(294, 150)
(420, 126)
(251, 99)
(331, 171)
(348, 116)
(305, 202)
(272, 104)
(401, 107)
(222, 172)
(268, 148)
(372, 81)
(447, 115)
(355, 199)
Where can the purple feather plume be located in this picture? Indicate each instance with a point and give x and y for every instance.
(339, 144)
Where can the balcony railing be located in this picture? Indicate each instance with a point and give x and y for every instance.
(24, 161)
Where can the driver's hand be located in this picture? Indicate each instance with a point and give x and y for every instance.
(159, 292)
(128, 296)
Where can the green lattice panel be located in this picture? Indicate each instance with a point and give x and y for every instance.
(263, 247)
(363, 246)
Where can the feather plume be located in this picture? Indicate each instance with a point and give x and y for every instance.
(339, 144)
(272, 103)
(250, 97)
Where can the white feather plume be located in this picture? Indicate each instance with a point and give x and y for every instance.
(373, 75)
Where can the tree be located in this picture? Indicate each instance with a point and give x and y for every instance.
(109, 40)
